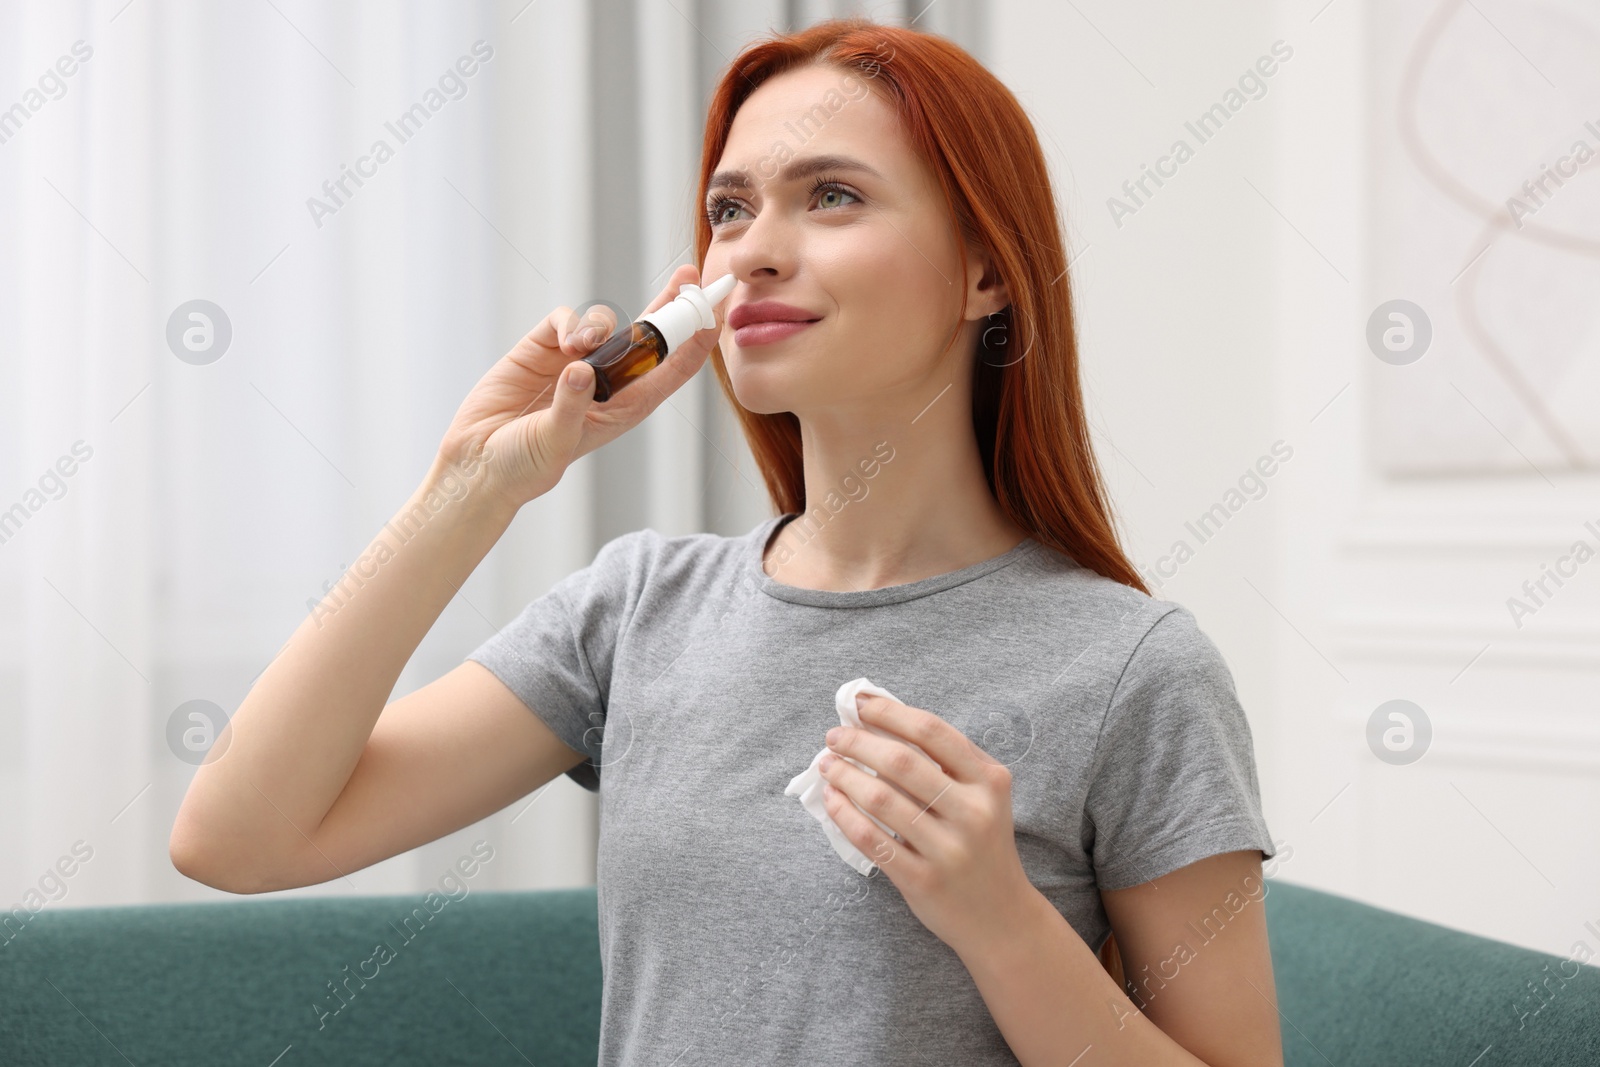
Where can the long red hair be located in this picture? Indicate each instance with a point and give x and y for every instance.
(1027, 411)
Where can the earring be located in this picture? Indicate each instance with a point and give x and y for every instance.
(994, 338)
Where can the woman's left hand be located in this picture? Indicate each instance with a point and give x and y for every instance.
(956, 862)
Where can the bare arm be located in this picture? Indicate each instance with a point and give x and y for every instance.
(1194, 945)
(1200, 1003)
(253, 812)
(314, 777)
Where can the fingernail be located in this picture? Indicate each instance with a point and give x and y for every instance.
(578, 376)
(861, 700)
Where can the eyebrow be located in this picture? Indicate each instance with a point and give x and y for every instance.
(797, 169)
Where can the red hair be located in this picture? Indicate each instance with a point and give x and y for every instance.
(1027, 411)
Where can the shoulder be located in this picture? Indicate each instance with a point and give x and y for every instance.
(640, 560)
(1149, 650)
(670, 555)
(1159, 631)
(1175, 691)
(1128, 624)
(1173, 712)
(1174, 654)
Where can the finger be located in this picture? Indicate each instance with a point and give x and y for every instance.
(557, 434)
(881, 800)
(563, 330)
(551, 329)
(588, 331)
(861, 831)
(893, 761)
(944, 744)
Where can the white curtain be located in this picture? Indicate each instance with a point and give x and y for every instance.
(169, 507)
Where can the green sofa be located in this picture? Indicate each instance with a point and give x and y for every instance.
(514, 978)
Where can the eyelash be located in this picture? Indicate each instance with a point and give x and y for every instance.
(714, 209)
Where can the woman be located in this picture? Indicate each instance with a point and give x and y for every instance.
(1082, 766)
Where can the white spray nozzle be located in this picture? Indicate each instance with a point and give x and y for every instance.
(692, 310)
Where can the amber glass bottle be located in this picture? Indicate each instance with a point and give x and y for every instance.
(631, 353)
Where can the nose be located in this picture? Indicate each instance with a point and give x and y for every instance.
(765, 248)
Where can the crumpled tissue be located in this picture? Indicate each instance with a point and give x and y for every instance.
(807, 785)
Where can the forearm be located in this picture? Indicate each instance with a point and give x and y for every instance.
(1055, 1003)
(292, 744)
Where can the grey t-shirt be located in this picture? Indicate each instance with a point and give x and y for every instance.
(730, 930)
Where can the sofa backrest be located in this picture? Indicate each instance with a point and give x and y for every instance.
(489, 978)
(1361, 985)
(509, 978)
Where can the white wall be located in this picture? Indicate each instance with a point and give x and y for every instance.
(1230, 312)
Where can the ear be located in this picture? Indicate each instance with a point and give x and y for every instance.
(986, 293)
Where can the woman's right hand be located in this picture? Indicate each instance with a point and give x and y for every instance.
(533, 412)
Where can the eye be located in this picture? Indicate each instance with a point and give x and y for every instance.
(828, 185)
(716, 207)
(825, 185)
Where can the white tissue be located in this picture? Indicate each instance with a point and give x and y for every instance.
(807, 785)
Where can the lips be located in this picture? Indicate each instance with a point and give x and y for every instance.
(749, 314)
(765, 321)
(760, 333)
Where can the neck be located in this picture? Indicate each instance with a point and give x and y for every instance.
(891, 501)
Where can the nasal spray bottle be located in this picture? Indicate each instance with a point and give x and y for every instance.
(642, 347)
